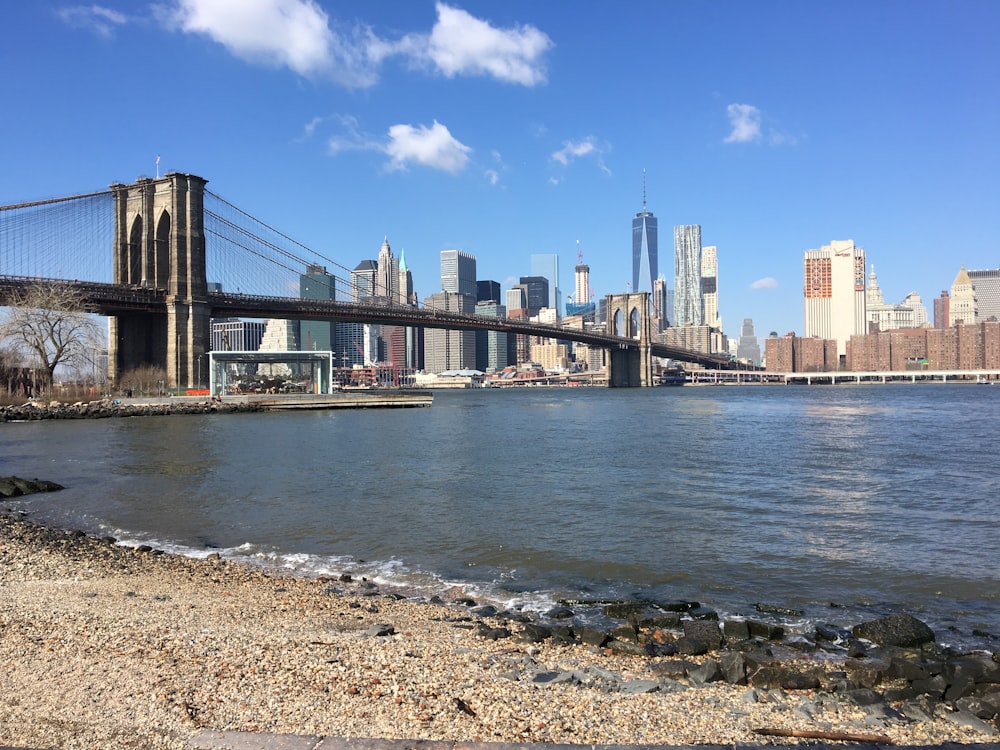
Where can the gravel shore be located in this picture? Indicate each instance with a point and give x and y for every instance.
(108, 646)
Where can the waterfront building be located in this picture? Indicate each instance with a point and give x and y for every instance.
(962, 308)
(960, 347)
(450, 349)
(644, 247)
(710, 287)
(317, 284)
(546, 265)
(835, 293)
(986, 286)
(458, 273)
(791, 353)
(942, 308)
(491, 346)
(551, 356)
(688, 309)
(748, 348)
(235, 335)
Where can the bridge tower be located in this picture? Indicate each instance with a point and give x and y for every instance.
(628, 316)
(160, 243)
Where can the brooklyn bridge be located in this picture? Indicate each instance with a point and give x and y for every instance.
(143, 254)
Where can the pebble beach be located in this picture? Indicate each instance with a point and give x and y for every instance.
(103, 646)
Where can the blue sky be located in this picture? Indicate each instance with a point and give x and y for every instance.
(512, 128)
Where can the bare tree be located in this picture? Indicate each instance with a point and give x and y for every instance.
(50, 322)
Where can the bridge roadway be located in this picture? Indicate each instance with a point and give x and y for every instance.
(114, 299)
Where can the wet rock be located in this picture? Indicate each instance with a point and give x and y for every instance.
(774, 609)
(703, 613)
(559, 613)
(895, 630)
(736, 630)
(832, 633)
(765, 630)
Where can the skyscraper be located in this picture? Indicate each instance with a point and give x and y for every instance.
(316, 335)
(547, 266)
(835, 304)
(986, 285)
(387, 274)
(688, 308)
(537, 291)
(963, 301)
(710, 287)
(748, 348)
(458, 273)
(644, 247)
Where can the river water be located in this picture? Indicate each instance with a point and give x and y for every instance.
(844, 502)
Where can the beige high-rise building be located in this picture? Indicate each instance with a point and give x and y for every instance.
(835, 293)
(962, 308)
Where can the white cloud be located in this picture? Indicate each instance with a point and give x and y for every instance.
(768, 282)
(290, 33)
(461, 44)
(299, 35)
(102, 21)
(433, 147)
(745, 122)
(492, 176)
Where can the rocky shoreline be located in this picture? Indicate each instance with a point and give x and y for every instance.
(133, 643)
(108, 408)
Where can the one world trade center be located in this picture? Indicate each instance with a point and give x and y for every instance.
(644, 270)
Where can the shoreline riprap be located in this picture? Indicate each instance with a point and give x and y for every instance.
(103, 645)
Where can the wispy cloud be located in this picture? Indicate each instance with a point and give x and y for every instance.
(747, 125)
(95, 18)
(744, 120)
(300, 35)
(573, 150)
(768, 282)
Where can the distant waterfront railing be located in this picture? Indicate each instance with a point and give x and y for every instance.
(745, 377)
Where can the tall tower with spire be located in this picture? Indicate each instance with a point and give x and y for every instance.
(644, 247)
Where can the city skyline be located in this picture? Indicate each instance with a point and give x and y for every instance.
(495, 129)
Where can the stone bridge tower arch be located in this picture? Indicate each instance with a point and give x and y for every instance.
(160, 242)
(628, 316)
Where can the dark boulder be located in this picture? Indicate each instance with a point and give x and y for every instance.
(895, 630)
